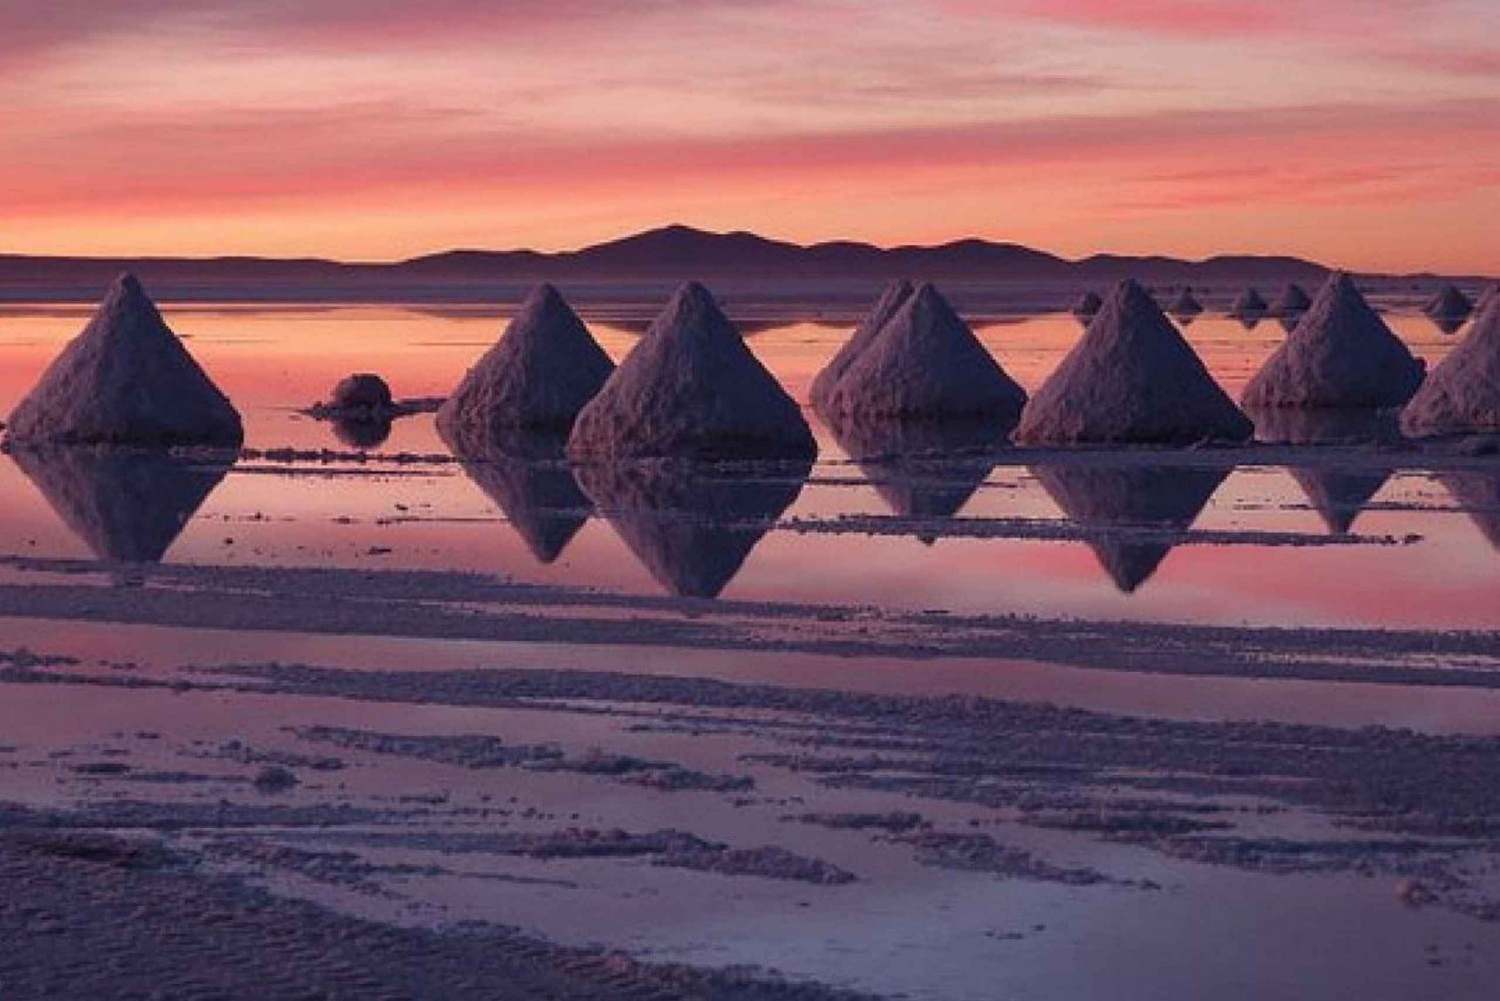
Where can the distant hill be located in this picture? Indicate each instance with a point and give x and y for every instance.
(653, 258)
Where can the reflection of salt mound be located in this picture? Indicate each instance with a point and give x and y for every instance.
(1109, 503)
(1088, 304)
(1292, 303)
(925, 362)
(127, 505)
(1132, 378)
(692, 526)
(1448, 304)
(363, 432)
(1186, 304)
(1339, 495)
(1341, 355)
(1462, 394)
(1479, 493)
(888, 305)
(126, 379)
(543, 371)
(1249, 305)
(921, 468)
(526, 474)
(691, 388)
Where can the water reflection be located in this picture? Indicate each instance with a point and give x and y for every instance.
(363, 432)
(1125, 511)
(1479, 494)
(527, 477)
(921, 468)
(126, 505)
(691, 525)
(1448, 324)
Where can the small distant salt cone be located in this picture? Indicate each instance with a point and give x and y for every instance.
(1341, 355)
(540, 374)
(925, 362)
(692, 526)
(1131, 379)
(528, 479)
(1462, 395)
(1249, 304)
(1294, 301)
(890, 302)
(126, 380)
(1449, 304)
(1186, 304)
(1124, 511)
(126, 505)
(1088, 305)
(1339, 495)
(691, 389)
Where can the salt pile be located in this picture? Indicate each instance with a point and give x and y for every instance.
(1341, 354)
(1186, 304)
(692, 526)
(1292, 303)
(1125, 512)
(1449, 304)
(126, 505)
(1131, 379)
(925, 362)
(1248, 305)
(1462, 395)
(890, 302)
(1088, 305)
(1487, 298)
(541, 373)
(126, 379)
(691, 388)
(528, 479)
(363, 392)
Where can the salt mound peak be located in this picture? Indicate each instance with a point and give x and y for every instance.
(925, 362)
(1131, 378)
(890, 302)
(1249, 304)
(126, 379)
(1341, 354)
(1449, 303)
(1186, 304)
(540, 374)
(1088, 304)
(691, 388)
(1293, 301)
(1462, 395)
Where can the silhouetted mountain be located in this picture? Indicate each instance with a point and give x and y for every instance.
(668, 254)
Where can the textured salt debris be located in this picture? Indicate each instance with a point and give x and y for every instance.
(925, 362)
(526, 475)
(540, 374)
(890, 302)
(1341, 355)
(691, 389)
(1448, 303)
(921, 468)
(126, 379)
(1186, 304)
(691, 527)
(1088, 304)
(1131, 379)
(1462, 395)
(1292, 302)
(1111, 502)
(1249, 304)
(126, 505)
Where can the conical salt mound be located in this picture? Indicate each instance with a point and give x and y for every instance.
(126, 505)
(529, 480)
(691, 388)
(1295, 426)
(539, 375)
(1449, 303)
(1186, 304)
(1339, 495)
(691, 526)
(1131, 379)
(889, 303)
(1292, 303)
(1088, 305)
(925, 362)
(1462, 395)
(1479, 494)
(1130, 515)
(1341, 354)
(126, 380)
(1248, 305)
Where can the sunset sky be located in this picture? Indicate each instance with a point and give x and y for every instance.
(1364, 133)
